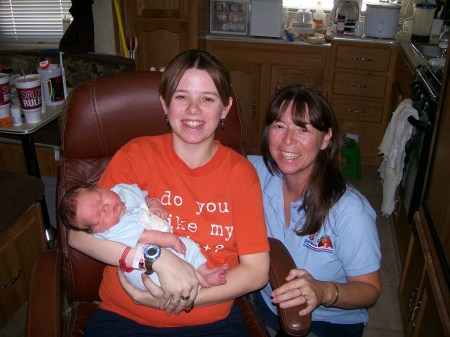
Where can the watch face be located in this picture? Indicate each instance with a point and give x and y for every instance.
(152, 252)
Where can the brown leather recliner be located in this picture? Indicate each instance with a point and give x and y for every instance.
(99, 117)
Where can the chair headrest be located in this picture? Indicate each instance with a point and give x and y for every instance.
(105, 113)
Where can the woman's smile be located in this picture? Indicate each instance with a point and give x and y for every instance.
(289, 155)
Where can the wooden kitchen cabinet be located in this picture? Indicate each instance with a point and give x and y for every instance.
(401, 87)
(246, 78)
(19, 246)
(259, 69)
(360, 82)
(404, 75)
(282, 76)
(165, 28)
(423, 302)
(424, 290)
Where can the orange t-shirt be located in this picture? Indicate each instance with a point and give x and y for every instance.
(218, 205)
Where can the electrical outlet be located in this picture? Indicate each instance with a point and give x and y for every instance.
(353, 136)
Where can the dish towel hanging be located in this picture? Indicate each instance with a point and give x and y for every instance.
(392, 147)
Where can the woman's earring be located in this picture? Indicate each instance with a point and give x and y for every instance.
(167, 118)
(222, 123)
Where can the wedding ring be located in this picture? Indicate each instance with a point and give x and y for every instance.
(185, 298)
(301, 291)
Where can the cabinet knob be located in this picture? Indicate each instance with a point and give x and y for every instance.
(279, 85)
(358, 111)
(357, 85)
(362, 59)
(254, 106)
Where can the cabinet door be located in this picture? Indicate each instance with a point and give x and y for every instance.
(246, 79)
(404, 75)
(410, 282)
(19, 247)
(282, 76)
(160, 41)
(425, 319)
(369, 138)
(401, 86)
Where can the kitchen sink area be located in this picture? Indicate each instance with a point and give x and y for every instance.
(427, 50)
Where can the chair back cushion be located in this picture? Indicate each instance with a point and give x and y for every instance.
(99, 117)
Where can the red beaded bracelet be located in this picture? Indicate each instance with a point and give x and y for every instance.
(122, 263)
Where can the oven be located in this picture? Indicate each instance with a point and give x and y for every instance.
(425, 96)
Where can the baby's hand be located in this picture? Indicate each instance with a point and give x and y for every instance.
(179, 246)
(155, 206)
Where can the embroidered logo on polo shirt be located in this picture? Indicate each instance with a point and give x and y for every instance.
(324, 244)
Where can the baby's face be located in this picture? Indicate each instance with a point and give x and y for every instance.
(99, 209)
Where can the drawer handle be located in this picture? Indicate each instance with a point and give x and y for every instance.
(14, 280)
(279, 86)
(254, 106)
(362, 59)
(356, 85)
(413, 317)
(358, 111)
(412, 301)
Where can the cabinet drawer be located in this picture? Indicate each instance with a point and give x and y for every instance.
(364, 85)
(364, 58)
(357, 109)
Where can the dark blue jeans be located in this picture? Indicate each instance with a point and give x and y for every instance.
(318, 328)
(108, 324)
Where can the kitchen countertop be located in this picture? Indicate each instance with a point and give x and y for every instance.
(406, 49)
(327, 43)
(412, 56)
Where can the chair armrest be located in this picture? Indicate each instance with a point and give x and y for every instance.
(281, 263)
(44, 302)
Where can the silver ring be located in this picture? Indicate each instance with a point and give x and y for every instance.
(301, 291)
(185, 298)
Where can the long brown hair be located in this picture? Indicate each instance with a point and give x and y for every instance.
(326, 184)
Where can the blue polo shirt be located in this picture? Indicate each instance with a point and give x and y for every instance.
(346, 245)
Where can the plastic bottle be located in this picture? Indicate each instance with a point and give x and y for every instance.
(443, 40)
(319, 16)
(340, 24)
(16, 115)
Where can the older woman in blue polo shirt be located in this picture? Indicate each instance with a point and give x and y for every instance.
(327, 225)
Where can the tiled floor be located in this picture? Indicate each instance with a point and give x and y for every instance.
(385, 318)
(385, 315)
